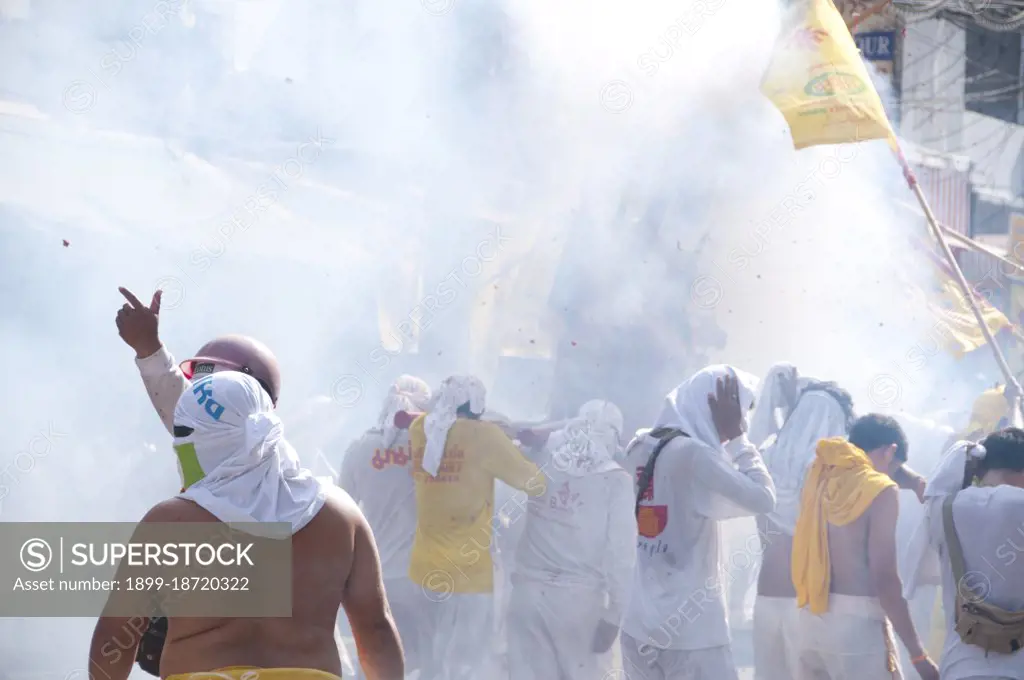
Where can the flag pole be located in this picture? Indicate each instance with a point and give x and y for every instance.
(908, 174)
(977, 247)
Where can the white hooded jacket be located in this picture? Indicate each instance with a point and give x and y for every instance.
(677, 600)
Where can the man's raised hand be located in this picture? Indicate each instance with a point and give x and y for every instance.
(726, 412)
(138, 324)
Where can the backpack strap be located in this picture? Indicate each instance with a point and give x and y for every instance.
(664, 436)
(956, 552)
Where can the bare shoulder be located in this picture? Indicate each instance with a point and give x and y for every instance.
(341, 510)
(887, 503)
(177, 510)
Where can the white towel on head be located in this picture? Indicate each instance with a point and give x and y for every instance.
(454, 392)
(773, 405)
(920, 558)
(408, 393)
(817, 416)
(638, 437)
(589, 443)
(686, 407)
(236, 463)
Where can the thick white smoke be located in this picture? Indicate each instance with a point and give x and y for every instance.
(387, 186)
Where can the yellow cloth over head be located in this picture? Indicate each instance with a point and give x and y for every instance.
(841, 485)
(253, 673)
(988, 410)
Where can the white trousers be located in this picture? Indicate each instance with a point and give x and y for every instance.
(776, 647)
(463, 637)
(641, 661)
(551, 633)
(851, 641)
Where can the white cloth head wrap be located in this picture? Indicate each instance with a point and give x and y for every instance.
(589, 443)
(454, 392)
(247, 471)
(772, 402)
(686, 407)
(817, 416)
(922, 561)
(638, 437)
(408, 393)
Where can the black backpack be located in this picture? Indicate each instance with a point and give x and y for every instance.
(664, 435)
(151, 646)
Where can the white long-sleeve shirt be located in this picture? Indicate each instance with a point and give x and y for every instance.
(380, 480)
(677, 601)
(164, 382)
(990, 525)
(581, 534)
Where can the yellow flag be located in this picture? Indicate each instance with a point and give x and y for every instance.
(962, 331)
(818, 81)
(956, 324)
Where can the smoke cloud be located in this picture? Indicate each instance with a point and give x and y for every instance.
(573, 200)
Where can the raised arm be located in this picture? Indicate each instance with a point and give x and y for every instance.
(366, 605)
(726, 490)
(504, 461)
(164, 382)
(138, 326)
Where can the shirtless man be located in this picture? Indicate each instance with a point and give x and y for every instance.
(844, 559)
(165, 381)
(821, 410)
(334, 559)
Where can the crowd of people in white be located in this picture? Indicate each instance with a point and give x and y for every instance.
(566, 550)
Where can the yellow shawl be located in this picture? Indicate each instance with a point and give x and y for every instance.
(841, 485)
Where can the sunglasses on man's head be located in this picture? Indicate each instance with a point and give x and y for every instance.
(192, 368)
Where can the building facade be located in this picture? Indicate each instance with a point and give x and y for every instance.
(959, 84)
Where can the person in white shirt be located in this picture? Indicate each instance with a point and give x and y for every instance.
(988, 516)
(928, 440)
(574, 562)
(822, 410)
(675, 626)
(377, 473)
(776, 399)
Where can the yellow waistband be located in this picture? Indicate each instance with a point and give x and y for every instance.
(253, 673)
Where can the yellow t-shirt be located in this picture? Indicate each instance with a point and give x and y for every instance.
(452, 548)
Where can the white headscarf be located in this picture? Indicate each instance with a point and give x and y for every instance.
(236, 461)
(454, 392)
(638, 437)
(686, 407)
(772, 402)
(589, 443)
(817, 416)
(408, 393)
(921, 560)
